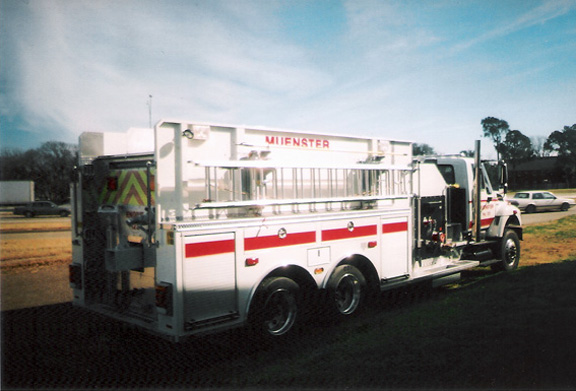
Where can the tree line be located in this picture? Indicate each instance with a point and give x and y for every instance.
(50, 166)
(515, 148)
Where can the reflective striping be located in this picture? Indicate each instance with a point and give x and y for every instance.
(394, 227)
(130, 188)
(209, 248)
(345, 233)
(263, 242)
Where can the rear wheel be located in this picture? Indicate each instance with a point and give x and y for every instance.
(275, 307)
(530, 209)
(29, 214)
(509, 251)
(347, 290)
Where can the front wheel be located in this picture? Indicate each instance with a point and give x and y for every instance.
(347, 289)
(509, 252)
(565, 206)
(275, 307)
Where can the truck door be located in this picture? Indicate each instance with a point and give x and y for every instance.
(209, 279)
(489, 199)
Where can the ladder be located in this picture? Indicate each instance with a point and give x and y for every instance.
(260, 183)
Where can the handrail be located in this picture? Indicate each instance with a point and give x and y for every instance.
(299, 201)
(231, 164)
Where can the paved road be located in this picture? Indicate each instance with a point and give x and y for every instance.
(543, 217)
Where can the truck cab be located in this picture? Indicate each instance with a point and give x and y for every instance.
(496, 212)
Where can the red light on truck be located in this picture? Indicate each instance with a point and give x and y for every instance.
(372, 244)
(75, 276)
(112, 183)
(252, 261)
(164, 298)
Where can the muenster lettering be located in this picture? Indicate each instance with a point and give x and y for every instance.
(299, 142)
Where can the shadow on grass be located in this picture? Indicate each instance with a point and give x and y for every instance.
(492, 331)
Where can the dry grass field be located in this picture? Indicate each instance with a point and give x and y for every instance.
(29, 250)
(35, 251)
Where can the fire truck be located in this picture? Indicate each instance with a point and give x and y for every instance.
(192, 228)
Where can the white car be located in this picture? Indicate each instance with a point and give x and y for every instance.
(532, 201)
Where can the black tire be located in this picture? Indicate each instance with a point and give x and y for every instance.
(509, 253)
(565, 206)
(29, 214)
(347, 290)
(530, 209)
(275, 307)
(64, 214)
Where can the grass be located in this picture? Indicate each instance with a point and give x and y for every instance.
(36, 225)
(549, 242)
(34, 252)
(21, 253)
(503, 330)
(513, 330)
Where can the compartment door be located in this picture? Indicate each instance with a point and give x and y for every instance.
(395, 247)
(209, 279)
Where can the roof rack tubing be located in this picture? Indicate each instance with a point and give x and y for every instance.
(262, 203)
(230, 164)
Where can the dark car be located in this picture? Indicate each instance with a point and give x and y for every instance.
(42, 208)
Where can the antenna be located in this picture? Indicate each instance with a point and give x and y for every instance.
(150, 111)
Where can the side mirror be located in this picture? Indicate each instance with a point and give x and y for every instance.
(503, 176)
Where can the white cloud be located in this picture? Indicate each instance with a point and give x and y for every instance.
(390, 71)
(91, 65)
(547, 11)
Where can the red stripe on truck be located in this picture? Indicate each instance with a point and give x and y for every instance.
(394, 227)
(345, 233)
(291, 239)
(209, 248)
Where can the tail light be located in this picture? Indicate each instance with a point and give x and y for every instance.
(75, 276)
(164, 298)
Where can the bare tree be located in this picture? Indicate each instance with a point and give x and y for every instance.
(50, 167)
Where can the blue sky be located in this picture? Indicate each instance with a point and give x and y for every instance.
(424, 71)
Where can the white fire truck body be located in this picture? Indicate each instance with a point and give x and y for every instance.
(193, 228)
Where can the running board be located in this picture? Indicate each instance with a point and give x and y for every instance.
(441, 272)
(490, 262)
(194, 325)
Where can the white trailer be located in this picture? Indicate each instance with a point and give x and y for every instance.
(16, 192)
(202, 227)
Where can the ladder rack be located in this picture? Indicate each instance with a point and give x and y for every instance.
(260, 183)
